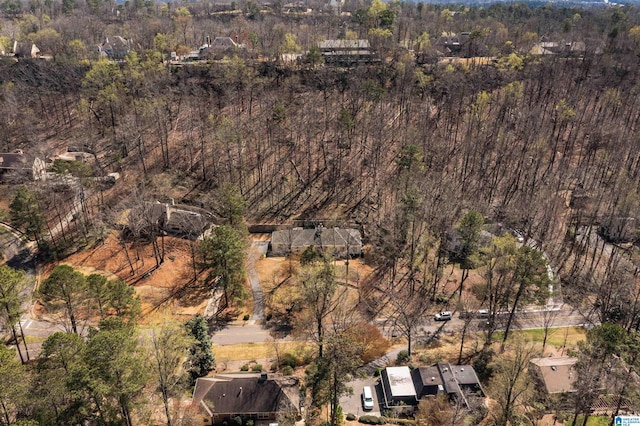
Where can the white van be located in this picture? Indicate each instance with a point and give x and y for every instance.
(367, 398)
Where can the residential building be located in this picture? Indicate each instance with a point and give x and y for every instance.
(555, 374)
(617, 229)
(398, 387)
(115, 47)
(459, 382)
(263, 398)
(24, 165)
(183, 221)
(402, 386)
(346, 52)
(25, 49)
(337, 242)
(452, 44)
(218, 48)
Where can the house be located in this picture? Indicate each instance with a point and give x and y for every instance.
(259, 397)
(555, 374)
(618, 229)
(346, 52)
(115, 47)
(570, 48)
(25, 50)
(545, 48)
(218, 48)
(184, 221)
(397, 387)
(459, 382)
(452, 44)
(23, 164)
(338, 242)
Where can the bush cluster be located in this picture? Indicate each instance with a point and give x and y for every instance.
(372, 420)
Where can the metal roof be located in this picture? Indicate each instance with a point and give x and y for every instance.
(400, 381)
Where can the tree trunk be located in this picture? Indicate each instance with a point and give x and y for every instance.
(15, 338)
(24, 341)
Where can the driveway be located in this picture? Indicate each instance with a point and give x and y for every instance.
(258, 249)
(353, 403)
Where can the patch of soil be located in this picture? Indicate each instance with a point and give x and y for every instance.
(168, 288)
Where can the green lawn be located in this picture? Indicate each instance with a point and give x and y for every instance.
(592, 421)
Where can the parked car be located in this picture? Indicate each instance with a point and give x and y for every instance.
(443, 316)
(367, 398)
(483, 313)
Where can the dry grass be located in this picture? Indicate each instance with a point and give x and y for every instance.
(558, 337)
(250, 351)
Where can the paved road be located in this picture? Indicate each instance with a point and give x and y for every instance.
(526, 320)
(237, 333)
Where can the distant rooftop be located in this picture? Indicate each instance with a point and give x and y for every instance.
(344, 44)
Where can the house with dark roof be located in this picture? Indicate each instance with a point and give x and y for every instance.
(262, 398)
(337, 242)
(346, 52)
(115, 47)
(218, 48)
(21, 164)
(25, 49)
(619, 229)
(452, 44)
(459, 382)
(402, 386)
(183, 221)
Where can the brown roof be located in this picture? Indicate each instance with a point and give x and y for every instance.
(557, 373)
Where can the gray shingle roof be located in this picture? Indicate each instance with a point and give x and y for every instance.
(243, 395)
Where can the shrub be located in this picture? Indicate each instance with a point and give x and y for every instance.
(287, 370)
(372, 420)
(351, 417)
(74, 168)
(483, 365)
(402, 421)
(309, 255)
(269, 316)
(245, 318)
(249, 422)
(441, 299)
(369, 337)
(403, 356)
(288, 359)
(339, 416)
(257, 368)
(377, 372)
(245, 367)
